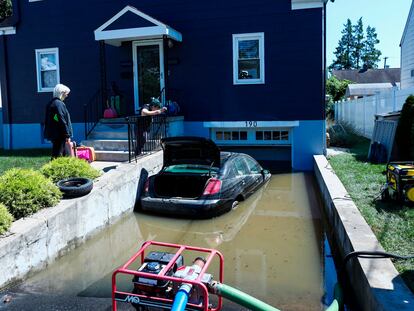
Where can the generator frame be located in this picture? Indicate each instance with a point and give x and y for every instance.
(165, 303)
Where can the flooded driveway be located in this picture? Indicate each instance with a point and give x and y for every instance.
(272, 245)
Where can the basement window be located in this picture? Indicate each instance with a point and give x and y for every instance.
(47, 69)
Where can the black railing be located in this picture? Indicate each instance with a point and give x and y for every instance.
(145, 134)
(93, 111)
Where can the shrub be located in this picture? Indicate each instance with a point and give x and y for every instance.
(26, 191)
(6, 219)
(65, 167)
(404, 136)
(343, 135)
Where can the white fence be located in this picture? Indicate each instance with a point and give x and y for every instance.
(360, 113)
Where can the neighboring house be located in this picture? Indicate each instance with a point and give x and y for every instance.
(358, 90)
(231, 65)
(407, 52)
(367, 82)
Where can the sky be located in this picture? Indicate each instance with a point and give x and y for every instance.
(387, 16)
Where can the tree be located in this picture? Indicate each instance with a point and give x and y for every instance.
(336, 89)
(356, 49)
(358, 43)
(404, 135)
(371, 56)
(343, 52)
(5, 9)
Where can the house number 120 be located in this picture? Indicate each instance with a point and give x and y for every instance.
(251, 123)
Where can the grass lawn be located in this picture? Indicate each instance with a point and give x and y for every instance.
(27, 158)
(392, 222)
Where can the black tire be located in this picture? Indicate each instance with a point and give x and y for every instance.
(75, 187)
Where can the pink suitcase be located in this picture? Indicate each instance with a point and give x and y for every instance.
(86, 153)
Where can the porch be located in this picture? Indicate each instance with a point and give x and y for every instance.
(129, 138)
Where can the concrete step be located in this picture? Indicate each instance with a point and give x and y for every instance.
(111, 156)
(108, 135)
(107, 144)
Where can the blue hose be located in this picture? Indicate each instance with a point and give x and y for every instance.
(180, 301)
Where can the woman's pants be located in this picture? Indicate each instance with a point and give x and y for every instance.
(59, 148)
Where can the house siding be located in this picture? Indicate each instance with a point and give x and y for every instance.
(407, 53)
(199, 70)
(203, 76)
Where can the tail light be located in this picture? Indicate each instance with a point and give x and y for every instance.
(213, 186)
(146, 186)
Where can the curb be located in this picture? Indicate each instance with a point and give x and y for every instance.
(376, 283)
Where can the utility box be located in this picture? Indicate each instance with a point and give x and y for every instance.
(385, 128)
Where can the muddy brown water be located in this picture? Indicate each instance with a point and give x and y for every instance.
(272, 245)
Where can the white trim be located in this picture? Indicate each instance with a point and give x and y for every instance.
(247, 124)
(248, 36)
(50, 51)
(7, 31)
(135, 44)
(306, 4)
(115, 37)
(251, 136)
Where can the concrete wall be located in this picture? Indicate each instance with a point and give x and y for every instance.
(35, 241)
(376, 283)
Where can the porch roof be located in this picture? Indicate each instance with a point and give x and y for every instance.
(131, 24)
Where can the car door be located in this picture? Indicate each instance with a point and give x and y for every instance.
(255, 172)
(243, 176)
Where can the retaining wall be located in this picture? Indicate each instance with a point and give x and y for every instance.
(35, 241)
(376, 283)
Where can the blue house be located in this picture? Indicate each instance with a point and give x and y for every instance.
(249, 74)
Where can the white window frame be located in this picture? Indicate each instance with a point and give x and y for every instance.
(243, 37)
(251, 136)
(38, 70)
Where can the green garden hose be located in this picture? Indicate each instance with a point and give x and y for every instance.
(240, 298)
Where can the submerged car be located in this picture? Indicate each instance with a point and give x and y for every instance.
(199, 181)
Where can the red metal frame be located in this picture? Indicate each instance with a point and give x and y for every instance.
(181, 248)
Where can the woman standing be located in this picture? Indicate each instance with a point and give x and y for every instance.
(58, 127)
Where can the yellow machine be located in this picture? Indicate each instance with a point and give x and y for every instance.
(400, 182)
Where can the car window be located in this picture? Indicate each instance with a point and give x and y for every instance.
(240, 166)
(253, 166)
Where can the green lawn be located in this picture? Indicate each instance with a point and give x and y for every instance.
(392, 222)
(27, 158)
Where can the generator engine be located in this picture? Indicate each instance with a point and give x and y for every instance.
(154, 263)
(400, 182)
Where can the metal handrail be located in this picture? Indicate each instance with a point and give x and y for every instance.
(145, 134)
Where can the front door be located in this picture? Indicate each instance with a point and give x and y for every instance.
(148, 59)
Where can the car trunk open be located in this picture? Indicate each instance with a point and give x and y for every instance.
(190, 186)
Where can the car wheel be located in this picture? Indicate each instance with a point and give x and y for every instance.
(235, 204)
(75, 187)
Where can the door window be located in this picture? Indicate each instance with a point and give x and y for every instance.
(253, 166)
(148, 62)
(241, 168)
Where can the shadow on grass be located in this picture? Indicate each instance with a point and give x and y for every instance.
(25, 153)
(390, 206)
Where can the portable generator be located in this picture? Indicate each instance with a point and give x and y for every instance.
(400, 182)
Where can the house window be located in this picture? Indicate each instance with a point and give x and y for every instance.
(47, 68)
(248, 58)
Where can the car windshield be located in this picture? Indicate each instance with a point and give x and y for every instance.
(191, 168)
